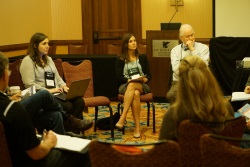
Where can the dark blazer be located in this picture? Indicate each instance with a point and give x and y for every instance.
(143, 60)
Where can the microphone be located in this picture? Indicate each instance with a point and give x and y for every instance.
(185, 47)
(171, 18)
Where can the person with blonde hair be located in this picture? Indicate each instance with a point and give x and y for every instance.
(199, 98)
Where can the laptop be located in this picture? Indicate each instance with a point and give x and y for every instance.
(76, 89)
(170, 26)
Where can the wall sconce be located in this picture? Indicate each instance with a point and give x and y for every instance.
(176, 3)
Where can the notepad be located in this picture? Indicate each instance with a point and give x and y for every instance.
(72, 143)
(240, 96)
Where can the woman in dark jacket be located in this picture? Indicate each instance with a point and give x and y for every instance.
(133, 74)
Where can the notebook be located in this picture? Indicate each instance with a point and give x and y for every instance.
(76, 89)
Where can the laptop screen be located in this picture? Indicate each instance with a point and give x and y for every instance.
(170, 26)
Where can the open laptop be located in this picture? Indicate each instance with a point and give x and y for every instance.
(76, 89)
(170, 26)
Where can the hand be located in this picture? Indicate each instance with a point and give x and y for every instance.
(55, 90)
(247, 89)
(16, 97)
(190, 44)
(49, 138)
(65, 89)
(248, 125)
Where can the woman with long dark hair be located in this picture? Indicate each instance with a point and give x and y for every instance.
(133, 74)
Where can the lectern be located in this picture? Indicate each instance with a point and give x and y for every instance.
(159, 45)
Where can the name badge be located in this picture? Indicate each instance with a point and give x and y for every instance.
(49, 79)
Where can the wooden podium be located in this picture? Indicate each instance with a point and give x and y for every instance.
(159, 45)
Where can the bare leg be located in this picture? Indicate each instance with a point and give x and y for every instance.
(136, 110)
(128, 99)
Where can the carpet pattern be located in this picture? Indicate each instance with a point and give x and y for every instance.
(147, 134)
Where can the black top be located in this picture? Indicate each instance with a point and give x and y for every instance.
(143, 61)
(19, 130)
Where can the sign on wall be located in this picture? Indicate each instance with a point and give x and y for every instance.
(162, 48)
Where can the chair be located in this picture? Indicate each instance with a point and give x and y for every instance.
(52, 50)
(114, 49)
(15, 77)
(79, 49)
(83, 71)
(147, 98)
(163, 154)
(58, 64)
(216, 150)
(189, 134)
(5, 159)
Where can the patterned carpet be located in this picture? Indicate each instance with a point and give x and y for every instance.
(147, 134)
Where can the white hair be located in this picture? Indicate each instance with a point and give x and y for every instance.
(183, 28)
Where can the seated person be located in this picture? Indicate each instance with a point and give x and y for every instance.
(38, 69)
(187, 47)
(131, 64)
(26, 150)
(45, 112)
(199, 98)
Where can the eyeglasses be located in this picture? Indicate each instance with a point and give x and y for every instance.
(188, 36)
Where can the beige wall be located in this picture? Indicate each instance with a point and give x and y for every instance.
(198, 13)
(66, 19)
(61, 19)
(20, 19)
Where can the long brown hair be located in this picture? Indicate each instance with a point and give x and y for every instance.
(33, 48)
(199, 95)
(124, 48)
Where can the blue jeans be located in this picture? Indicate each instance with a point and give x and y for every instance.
(45, 111)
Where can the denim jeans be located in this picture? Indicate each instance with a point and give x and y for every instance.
(45, 111)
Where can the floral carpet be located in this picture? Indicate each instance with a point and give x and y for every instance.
(147, 134)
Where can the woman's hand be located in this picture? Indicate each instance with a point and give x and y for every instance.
(65, 89)
(145, 79)
(55, 90)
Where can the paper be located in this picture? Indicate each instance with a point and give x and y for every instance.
(72, 143)
(240, 96)
(245, 111)
(29, 91)
(138, 79)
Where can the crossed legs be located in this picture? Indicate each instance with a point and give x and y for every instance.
(132, 99)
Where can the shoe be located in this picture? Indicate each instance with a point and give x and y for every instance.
(75, 135)
(137, 135)
(119, 127)
(77, 125)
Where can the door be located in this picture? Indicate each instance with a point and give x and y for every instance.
(106, 21)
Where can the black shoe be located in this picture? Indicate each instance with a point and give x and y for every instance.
(75, 135)
(77, 125)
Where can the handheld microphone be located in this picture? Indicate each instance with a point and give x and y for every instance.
(171, 18)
